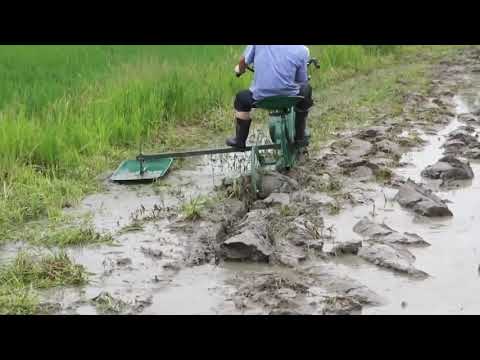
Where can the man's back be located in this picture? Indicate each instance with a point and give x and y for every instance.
(279, 69)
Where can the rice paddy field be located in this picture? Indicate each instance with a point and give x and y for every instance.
(70, 113)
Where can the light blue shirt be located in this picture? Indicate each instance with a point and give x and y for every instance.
(279, 69)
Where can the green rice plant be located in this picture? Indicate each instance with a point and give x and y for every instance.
(17, 300)
(72, 236)
(21, 277)
(191, 210)
(49, 271)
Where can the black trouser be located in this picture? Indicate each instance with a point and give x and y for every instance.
(244, 100)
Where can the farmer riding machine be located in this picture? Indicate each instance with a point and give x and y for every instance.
(150, 167)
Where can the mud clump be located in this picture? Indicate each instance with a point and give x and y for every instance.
(467, 128)
(362, 173)
(265, 235)
(249, 239)
(227, 211)
(391, 256)
(303, 292)
(277, 199)
(411, 140)
(372, 169)
(472, 153)
(421, 200)
(314, 199)
(319, 181)
(332, 284)
(124, 262)
(383, 233)
(288, 254)
(469, 119)
(271, 293)
(201, 246)
(107, 304)
(293, 239)
(464, 135)
(461, 142)
(454, 147)
(449, 168)
(153, 253)
(205, 237)
(352, 148)
(342, 248)
(140, 303)
(274, 182)
(173, 266)
(49, 308)
(372, 133)
(388, 147)
(364, 170)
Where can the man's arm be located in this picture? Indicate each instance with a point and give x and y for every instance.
(302, 70)
(247, 59)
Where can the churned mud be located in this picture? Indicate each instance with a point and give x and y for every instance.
(383, 220)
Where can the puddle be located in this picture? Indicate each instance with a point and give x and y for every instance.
(194, 291)
(453, 258)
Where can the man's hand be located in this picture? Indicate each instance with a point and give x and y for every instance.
(237, 71)
(241, 67)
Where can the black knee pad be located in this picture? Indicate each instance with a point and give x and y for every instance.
(307, 92)
(244, 101)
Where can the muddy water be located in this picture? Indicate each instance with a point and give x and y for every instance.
(125, 271)
(453, 258)
(113, 208)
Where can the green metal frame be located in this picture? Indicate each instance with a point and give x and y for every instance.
(282, 133)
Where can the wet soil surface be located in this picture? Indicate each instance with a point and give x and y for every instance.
(383, 220)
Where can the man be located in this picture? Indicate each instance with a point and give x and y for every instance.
(279, 70)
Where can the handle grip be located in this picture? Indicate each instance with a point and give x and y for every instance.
(240, 74)
(314, 62)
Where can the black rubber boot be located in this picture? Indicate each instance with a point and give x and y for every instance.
(300, 126)
(240, 139)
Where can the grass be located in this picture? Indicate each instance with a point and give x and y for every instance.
(383, 175)
(334, 208)
(47, 272)
(20, 278)
(192, 210)
(68, 113)
(331, 187)
(17, 301)
(81, 236)
(61, 234)
(286, 211)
